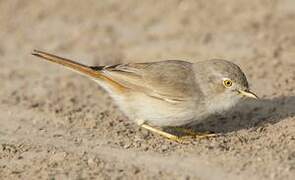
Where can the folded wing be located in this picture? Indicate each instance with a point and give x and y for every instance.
(172, 81)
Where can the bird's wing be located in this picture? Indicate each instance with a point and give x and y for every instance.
(171, 81)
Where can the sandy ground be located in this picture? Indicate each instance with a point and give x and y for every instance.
(55, 124)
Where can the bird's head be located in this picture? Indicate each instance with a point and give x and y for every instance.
(222, 82)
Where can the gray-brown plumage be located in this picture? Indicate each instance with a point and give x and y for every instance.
(167, 93)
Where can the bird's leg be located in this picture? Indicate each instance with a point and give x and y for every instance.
(190, 132)
(160, 132)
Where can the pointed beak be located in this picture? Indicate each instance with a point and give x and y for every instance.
(248, 93)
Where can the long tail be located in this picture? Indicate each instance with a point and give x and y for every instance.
(92, 72)
(80, 68)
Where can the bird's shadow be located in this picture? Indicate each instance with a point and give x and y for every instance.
(250, 114)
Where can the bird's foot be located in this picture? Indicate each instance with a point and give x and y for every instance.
(167, 135)
(191, 133)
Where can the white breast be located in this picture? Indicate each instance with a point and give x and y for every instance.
(222, 103)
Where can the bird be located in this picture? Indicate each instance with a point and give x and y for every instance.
(169, 93)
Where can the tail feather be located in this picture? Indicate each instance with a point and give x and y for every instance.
(92, 72)
(81, 68)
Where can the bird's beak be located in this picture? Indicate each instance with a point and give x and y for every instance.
(248, 93)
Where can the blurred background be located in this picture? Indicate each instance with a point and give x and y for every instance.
(106, 32)
(257, 34)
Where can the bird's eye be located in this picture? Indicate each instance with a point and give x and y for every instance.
(227, 83)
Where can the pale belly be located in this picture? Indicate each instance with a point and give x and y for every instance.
(141, 108)
(145, 109)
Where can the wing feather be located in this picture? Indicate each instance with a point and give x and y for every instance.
(172, 81)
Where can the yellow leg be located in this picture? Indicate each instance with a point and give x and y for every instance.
(190, 132)
(162, 133)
